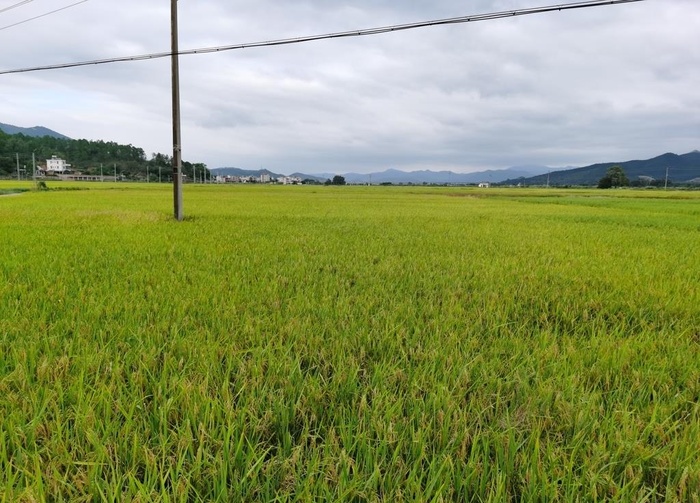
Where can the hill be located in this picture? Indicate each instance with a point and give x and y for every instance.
(681, 169)
(34, 132)
(88, 157)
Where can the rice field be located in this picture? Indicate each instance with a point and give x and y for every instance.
(354, 344)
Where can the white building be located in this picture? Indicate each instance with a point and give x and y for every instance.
(56, 165)
(289, 180)
(227, 179)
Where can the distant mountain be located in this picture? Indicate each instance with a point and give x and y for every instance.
(396, 176)
(243, 172)
(36, 131)
(681, 169)
(443, 177)
(322, 177)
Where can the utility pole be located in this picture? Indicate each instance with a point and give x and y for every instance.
(177, 147)
(102, 178)
(115, 171)
(666, 182)
(17, 167)
(33, 166)
(548, 179)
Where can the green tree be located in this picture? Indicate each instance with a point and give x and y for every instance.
(614, 177)
(338, 180)
(86, 156)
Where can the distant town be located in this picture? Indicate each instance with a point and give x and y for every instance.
(263, 178)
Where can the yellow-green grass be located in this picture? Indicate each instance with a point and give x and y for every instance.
(349, 344)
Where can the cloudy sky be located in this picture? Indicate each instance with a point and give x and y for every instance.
(570, 88)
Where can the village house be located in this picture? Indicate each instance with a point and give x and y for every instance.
(56, 165)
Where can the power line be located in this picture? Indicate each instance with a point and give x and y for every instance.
(19, 4)
(344, 34)
(41, 15)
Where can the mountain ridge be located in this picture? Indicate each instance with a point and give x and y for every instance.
(683, 168)
(34, 131)
(679, 168)
(402, 177)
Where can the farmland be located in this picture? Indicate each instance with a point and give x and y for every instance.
(349, 344)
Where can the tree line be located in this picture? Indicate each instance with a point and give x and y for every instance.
(89, 157)
(616, 177)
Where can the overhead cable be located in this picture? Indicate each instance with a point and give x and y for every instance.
(18, 4)
(344, 34)
(41, 15)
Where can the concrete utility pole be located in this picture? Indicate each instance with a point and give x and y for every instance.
(177, 147)
(17, 167)
(666, 182)
(33, 166)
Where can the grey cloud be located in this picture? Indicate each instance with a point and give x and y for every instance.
(559, 89)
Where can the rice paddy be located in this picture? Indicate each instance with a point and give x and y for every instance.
(349, 344)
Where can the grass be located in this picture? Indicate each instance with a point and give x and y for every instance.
(349, 344)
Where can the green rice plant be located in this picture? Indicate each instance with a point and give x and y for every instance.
(349, 344)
